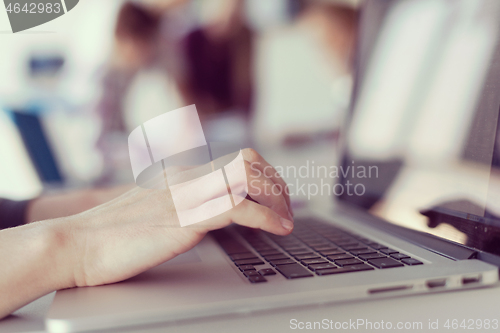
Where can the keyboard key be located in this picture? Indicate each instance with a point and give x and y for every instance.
(331, 252)
(316, 267)
(314, 261)
(263, 248)
(319, 245)
(347, 262)
(249, 262)
(399, 256)
(270, 252)
(362, 251)
(287, 238)
(371, 256)
(243, 256)
(338, 235)
(377, 246)
(334, 239)
(292, 246)
(284, 242)
(267, 271)
(347, 269)
(246, 268)
(300, 251)
(306, 256)
(276, 257)
(257, 279)
(346, 241)
(327, 271)
(228, 243)
(293, 271)
(324, 248)
(282, 262)
(312, 238)
(388, 251)
(257, 242)
(250, 273)
(329, 249)
(411, 262)
(357, 246)
(233, 248)
(339, 256)
(385, 263)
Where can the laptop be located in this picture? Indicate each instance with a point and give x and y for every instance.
(423, 221)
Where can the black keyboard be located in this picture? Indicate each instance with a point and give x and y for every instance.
(313, 248)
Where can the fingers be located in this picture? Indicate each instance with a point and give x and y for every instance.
(196, 192)
(262, 189)
(253, 215)
(202, 197)
(258, 163)
(242, 177)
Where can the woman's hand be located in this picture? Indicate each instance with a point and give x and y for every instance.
(126, 236)
(140, 229)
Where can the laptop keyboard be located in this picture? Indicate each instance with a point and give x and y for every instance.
(313, 248)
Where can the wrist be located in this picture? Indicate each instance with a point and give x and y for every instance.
(59, 238)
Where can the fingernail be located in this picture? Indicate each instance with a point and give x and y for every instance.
(288, 225)
(290, 216)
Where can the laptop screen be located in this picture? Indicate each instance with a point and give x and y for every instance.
(422, 148)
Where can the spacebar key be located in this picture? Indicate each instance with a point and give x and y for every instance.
(293, 271)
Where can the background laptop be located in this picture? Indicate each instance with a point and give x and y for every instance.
(378, 244)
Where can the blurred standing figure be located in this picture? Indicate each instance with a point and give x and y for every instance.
(218, 60)
(136, 36)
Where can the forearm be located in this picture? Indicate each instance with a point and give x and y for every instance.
(34, 260)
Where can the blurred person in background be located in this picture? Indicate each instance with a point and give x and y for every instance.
(305, 72)
(135, 48)
(218, 60)
(336, 26)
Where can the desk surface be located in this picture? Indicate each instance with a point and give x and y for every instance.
(478, 304)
